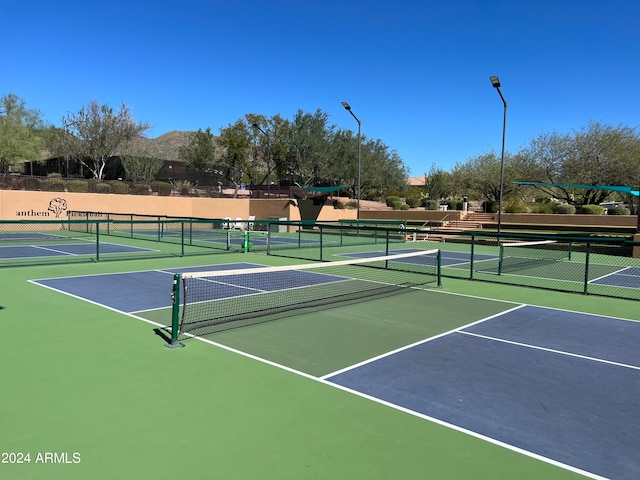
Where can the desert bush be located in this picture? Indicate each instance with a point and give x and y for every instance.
(141, 189)
(564, 209)
(120, 188)
(429, 204)
(618, 211)
(391, 200)
(590, 210)
(52, 185)
(32, 183)
(102, 187)
(78, 186)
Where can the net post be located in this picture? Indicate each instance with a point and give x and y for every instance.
(174, 342)
(245, 242)
(500, 257)
(439, 268)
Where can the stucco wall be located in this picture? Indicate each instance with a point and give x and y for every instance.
(27, 205)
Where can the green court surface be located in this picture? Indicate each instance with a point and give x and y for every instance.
(81, 379)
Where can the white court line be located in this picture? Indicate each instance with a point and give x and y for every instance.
(415, 344)
(551, 350)
(368, 397)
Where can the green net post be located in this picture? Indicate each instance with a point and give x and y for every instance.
(245, 242)
(439, 268)
(500, 258)
(174, 342)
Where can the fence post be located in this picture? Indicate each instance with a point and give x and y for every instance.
(586, 269)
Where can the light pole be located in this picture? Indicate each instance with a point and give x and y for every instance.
(255, 125)
(348, 108)
(496, 83)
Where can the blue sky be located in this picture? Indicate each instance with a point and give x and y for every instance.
(416, 73)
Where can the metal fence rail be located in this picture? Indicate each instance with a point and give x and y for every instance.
(591, 265)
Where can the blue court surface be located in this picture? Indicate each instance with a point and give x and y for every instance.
(64, 249)
(559, 385)
(627, 277)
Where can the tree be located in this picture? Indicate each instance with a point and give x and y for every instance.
(594, 155)
(482, 174)
(201, 152)
(96, 133)
(437, 181)
(142, 161)
(21, 133)
(235, 141)
(309, 148)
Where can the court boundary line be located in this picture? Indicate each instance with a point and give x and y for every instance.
(415, 344)
(366, 396)
(550, 350)
(437, 421)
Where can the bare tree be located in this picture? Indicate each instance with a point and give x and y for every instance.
(95, 133)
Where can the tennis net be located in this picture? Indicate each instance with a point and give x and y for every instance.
(208, 302)
(518, 255)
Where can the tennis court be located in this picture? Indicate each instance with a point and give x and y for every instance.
(467, 381)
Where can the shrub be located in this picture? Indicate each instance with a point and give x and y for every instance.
(391, 200)
(397, 205)
(32, 183)
(52, 185)
(564, 209)
(120, 188)
(618, 211)
(413, 201)
(404, 206)
(429, 204)
(162, 188)
(590, 210)
(102, 187)
(454, 204)
(489, 206)
(544, 207)
(515, 205)
(140, 189)
(17, 183)
(184, 187)
(351, 205)
(78, 186)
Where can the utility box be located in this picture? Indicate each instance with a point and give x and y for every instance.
(276, 228)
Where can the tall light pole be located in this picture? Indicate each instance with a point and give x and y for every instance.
(255, 125)
(348, 108)
(496, 84)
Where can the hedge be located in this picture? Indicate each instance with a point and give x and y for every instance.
(78, 186)
(120, 188)
(564, 209)
(103, 188)
(618, 211)
(590, 210)
(52, 185)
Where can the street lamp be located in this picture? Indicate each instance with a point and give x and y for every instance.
(348, 108)
(496, 84)
(255, 125)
